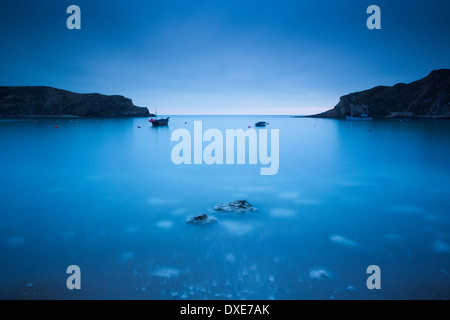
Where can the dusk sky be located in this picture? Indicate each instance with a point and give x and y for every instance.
(223, 57)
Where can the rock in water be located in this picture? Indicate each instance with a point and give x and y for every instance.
(350, 288)
(240, 206)
(319, 274)
(201, 218)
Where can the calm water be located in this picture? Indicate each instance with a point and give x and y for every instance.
(105, 195)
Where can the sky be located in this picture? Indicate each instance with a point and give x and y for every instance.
(223, 57)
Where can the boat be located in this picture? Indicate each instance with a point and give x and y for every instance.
(362, 117)
(260, 124)
(159, 122)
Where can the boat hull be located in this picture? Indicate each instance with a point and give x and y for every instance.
(159, 122)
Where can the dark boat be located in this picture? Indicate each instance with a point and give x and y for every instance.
(159, 122)
(260, 124)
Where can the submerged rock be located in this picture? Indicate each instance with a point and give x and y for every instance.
(319, 274)
(166, 272)
(201, 218)
(337, 238)
(350, 289)
(235, 206)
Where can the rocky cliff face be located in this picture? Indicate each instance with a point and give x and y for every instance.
(426, 98)
(47, 101)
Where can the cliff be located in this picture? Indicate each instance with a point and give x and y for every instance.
(425, 98)
(48, 101)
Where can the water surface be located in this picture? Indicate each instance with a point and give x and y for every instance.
(105, 195)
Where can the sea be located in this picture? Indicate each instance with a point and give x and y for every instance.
(106, 196)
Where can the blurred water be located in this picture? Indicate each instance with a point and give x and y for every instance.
(105, 195)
